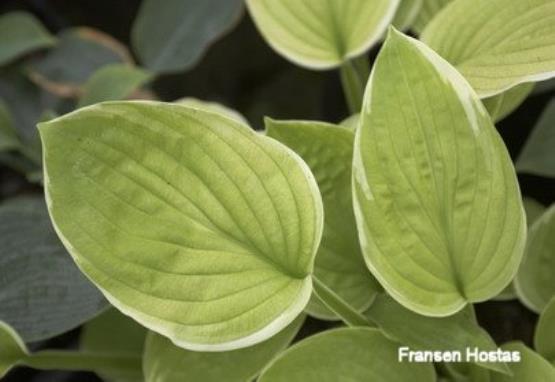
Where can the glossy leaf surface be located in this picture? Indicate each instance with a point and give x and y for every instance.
(437, 203)
(191, 223)
(321, 34)
(188, 29)
(534, 280)
(164, 362)
(43, 294)
(328, 151)
(347, 354)
(496, 44)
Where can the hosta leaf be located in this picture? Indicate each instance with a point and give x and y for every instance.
(212, 106)
(173, 35)
(164, 362)
(533, 209)
(537, 156)
(428, 11)
(501, 105)
(21, 33)
(544, 337)
(437, 203)
(328, 151)
(116, 334)
(351, 122)
(321, 34)
(42, 293)
(8, 135)
(532, 367)
(496, 44)
(191, 223)
(112, 82)
(12, 348)
(457, 332)
(347, 354)
(79, 53)
(406, 13)
(534, 280)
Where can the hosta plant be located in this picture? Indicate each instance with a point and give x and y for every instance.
(189, 246)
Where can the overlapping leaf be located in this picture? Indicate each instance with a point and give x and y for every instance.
(193, 224)
(438, 208)
(348, 354)
(406, 13)
(532, 367)
(12, 348)
(164, 362)
(321, 34)
(496, 44)
(187, 30)
(21, 33)
(537, 156)
(457, 332)
(428, 11)
(534, 280)
(42, 293)
(501, 105)
(328, 151)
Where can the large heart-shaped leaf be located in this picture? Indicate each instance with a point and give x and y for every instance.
(347, 354)
(164, 362)
(172, 35)
(537, 156)
(544, 337)
(321, 34)
(42, 293)
(12, 348)
(496, 44)
(190, 222)
(21, 33)
(438, 208)
(534, 280)
(328, 151)
(457, 332)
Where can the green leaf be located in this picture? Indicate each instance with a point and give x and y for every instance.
(531, 367)
(457, 332)
(114, 333)
(173, 35)
(12, 348)
(347, 354)
(112, 82)
(437, 203)
(80, 52)
(428, 11)
(43, 292)
(164, 362)
(503, 104)
(534, 280)
(496, 50)
(21, 33)
(214, 107)
(351, 122)
(328, 151)
(236, 218)
(537, 156)
(8, 135)
(544, 337)
(533, 209)
(320, 34)
(406, 13)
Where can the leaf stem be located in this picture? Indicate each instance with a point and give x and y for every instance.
(354, 74)
(68, 360)
(339, 306)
